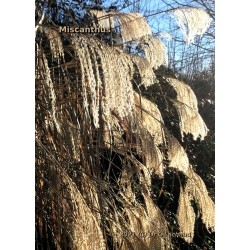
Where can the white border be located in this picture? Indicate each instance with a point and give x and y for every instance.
(17, 104)
(232, 124)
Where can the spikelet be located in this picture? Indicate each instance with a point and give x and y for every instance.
(107, 137)
(133, 26)
(150, 116)
(152, 121)
(155, 161)
(91, 81)
(133, 245)
(105, 20)
(121, 228)
(118, 87)
(187, 109)
(138, 224)
(113, 132)
(145, 70)
(184, 93)
(148, 226)
(190, 121)
(55, 42)
(81, 225)
(198, 191)
(89, 191)
(192, 22)
(176, 154)
(186, 216)
(155, 51)
(73, 136)
(117, 230)
(148, 230)
(157, 226)
(45, 76)
(143, 141)
(149, 128)
(104, 82)
(126, 184)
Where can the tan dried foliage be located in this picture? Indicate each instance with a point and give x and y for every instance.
(186, 216)
(155, 51)
(176, 154)
(105, 20)
(155, 161)
(55, 42)
(148, 127)
(128, 124)
(72, 135)
(192, 22)
(147, 224)
(133, 26)
(187, 108)
(82, 226)
(151, 133)
(198, 191)
(184, 93)
(105, 82)
(150, 116)
(190, 121)
(43, 74)
(145, 70)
